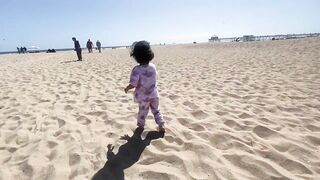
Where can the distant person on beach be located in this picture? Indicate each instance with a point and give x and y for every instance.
(98, 43)
(21, 50)
(77, 48)
(51, 51)
(18, 50)
(144, 79)
(89, 45)
(25, 49)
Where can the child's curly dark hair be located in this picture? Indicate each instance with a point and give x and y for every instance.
(142, 53)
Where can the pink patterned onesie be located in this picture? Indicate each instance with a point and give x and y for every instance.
(144, 79)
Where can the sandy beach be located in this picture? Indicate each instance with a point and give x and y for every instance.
(248, 110)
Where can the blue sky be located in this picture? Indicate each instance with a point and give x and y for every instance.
(52, 23)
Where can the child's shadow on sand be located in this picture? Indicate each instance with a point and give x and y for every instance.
(128, 154)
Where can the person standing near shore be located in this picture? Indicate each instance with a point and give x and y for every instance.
(77, 48)
(89, 45)
(98, 43)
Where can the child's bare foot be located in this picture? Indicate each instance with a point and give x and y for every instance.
(162, 129)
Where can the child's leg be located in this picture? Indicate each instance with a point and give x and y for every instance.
(143, 112)
(154, 105)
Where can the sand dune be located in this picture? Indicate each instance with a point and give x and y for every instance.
(233, 111)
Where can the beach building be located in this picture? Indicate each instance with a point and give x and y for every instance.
(214, 39)
(248, 38)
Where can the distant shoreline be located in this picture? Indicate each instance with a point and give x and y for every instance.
(61, 49)
(212, 39)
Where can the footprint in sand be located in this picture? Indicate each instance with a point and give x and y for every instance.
(52, 155)
(124, 100)
(289, 109)
(83, 120)
(11, 149)
(264, 132)
(26, 169)
(10, 138)
(314, 140)
(313, 128)
(186, 84)
(97, 113)
(74, 159)
(68, 108)
(173, 97)
(184, 121)
(171, 139)
(233, 124)
(73, 93)
(44, 100)
(199, 114)
(190, 105)
(72, 82)
(16, 118)
(5, 98)
(232, 95)
(71, 102)
(52, 144)
(294, 166)
(22, 138)
(197, 127)
(58, 133)
(244, 116)
(61, 122)
(282, 146)
(221, 113)
(98, 101)
(221, 141)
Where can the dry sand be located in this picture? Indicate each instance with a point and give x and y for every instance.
(233, 111)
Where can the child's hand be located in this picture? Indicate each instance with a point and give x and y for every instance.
(126, 89)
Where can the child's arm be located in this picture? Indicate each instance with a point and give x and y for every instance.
(134, 79)
(128, 88)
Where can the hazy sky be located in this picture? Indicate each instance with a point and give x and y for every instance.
(52, 23)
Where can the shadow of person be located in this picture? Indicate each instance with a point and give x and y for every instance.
(128, 154)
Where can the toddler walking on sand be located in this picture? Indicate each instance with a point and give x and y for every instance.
(144, 79)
